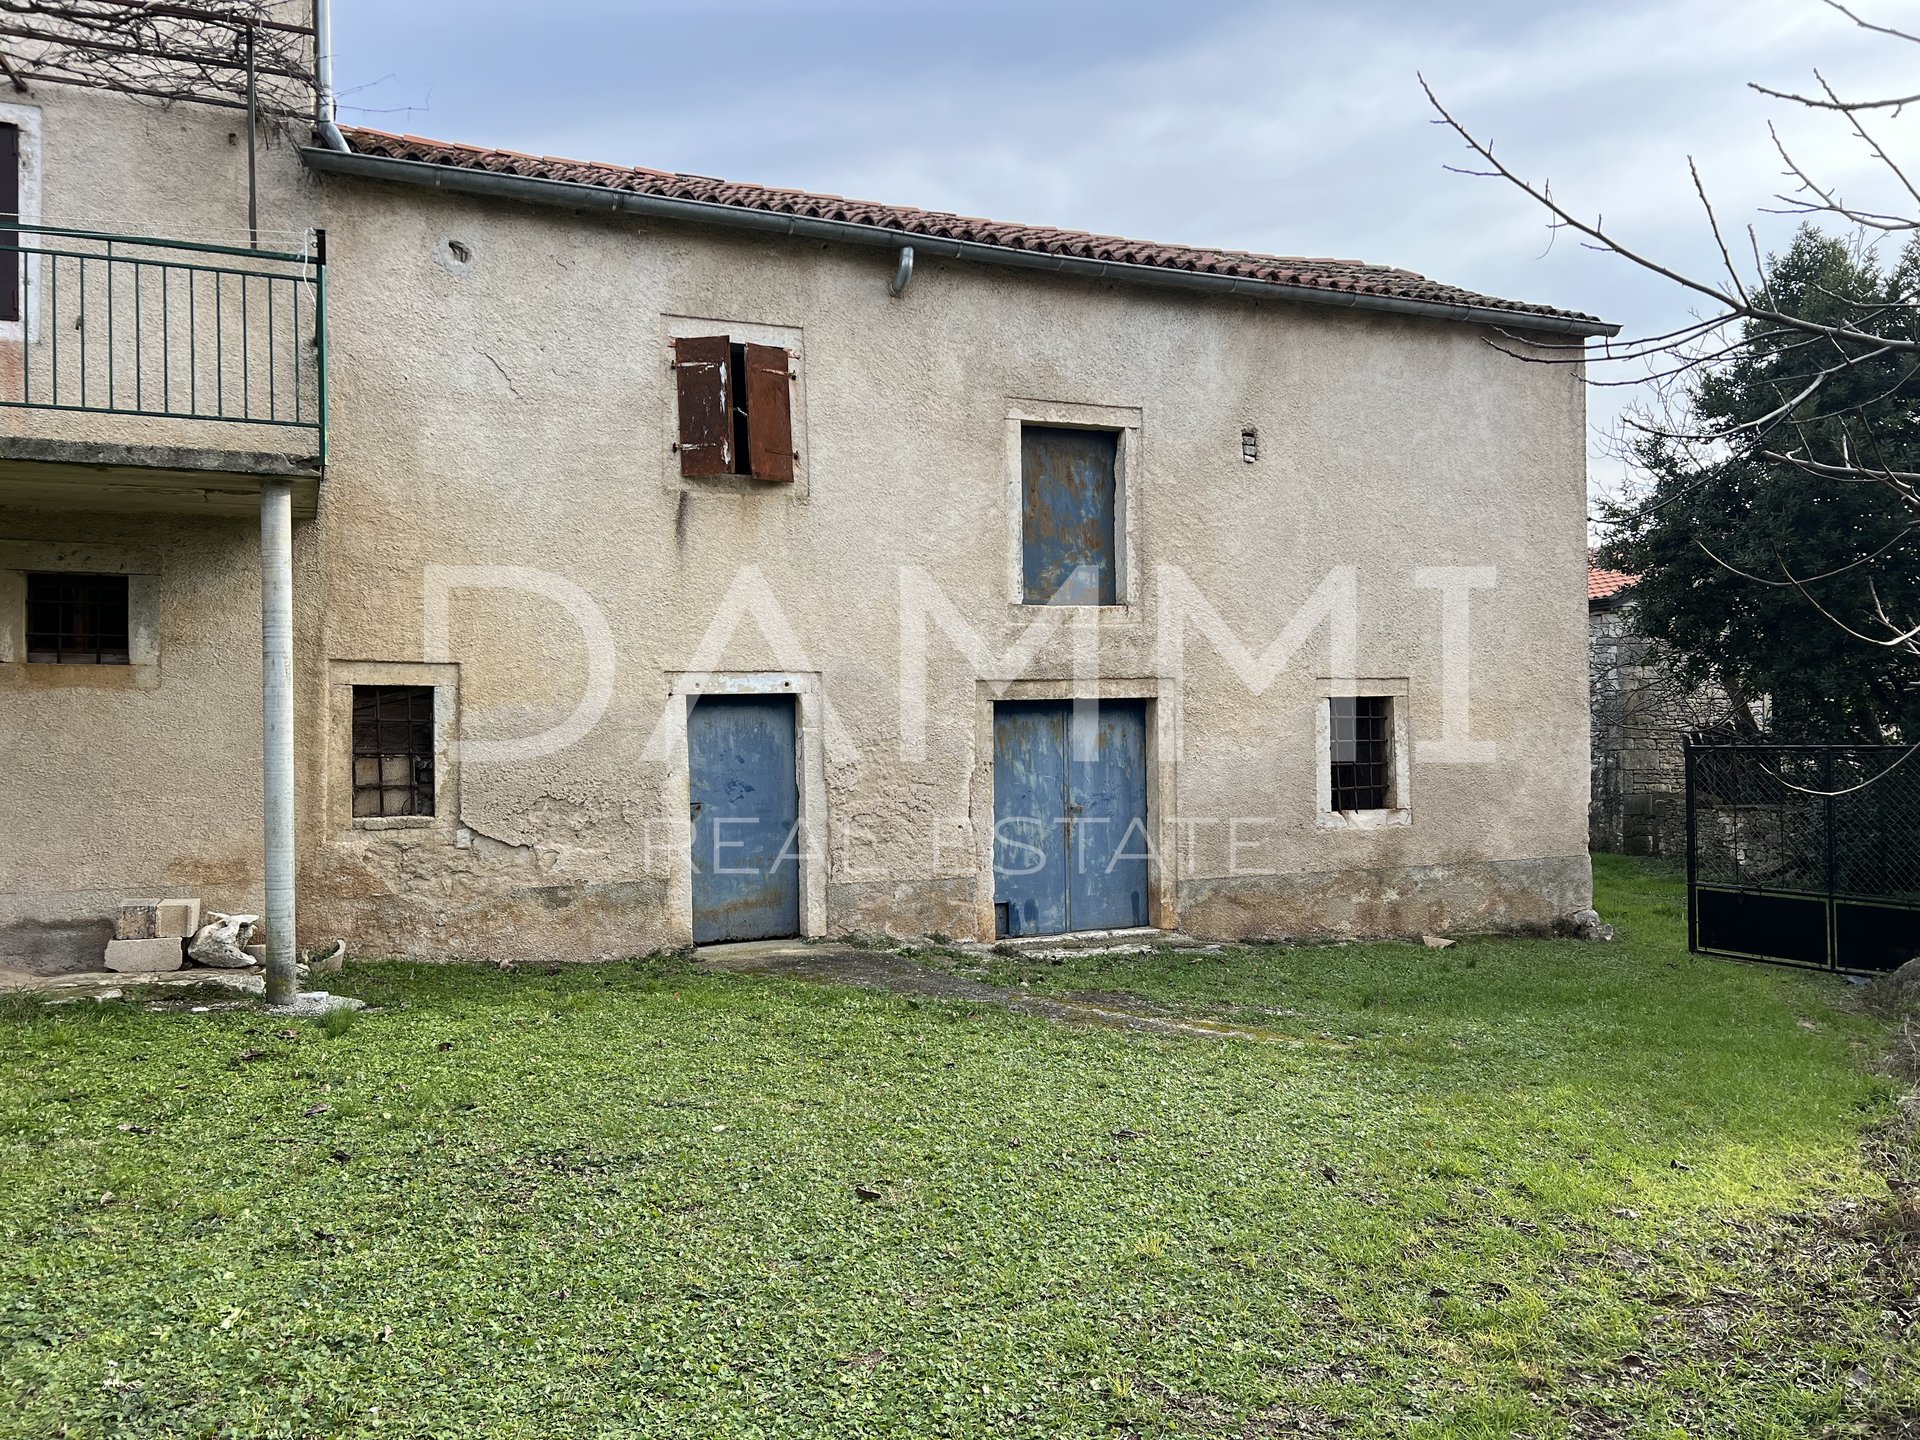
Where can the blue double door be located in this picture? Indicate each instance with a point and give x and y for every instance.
(745, 808)
(1070, 840)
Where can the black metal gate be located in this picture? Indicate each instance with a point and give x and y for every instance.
(1804, 854)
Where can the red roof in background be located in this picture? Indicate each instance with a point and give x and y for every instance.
(1349, 276)
(1603, 584)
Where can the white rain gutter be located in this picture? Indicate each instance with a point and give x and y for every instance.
(573, 195)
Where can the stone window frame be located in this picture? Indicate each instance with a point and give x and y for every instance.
(1397, 690)
(444, 678)
(141, 566)
(792, 339)
(1127, 422)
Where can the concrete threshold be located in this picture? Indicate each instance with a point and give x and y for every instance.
(744, 954)
(1090, 939)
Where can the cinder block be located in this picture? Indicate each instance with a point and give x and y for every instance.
(177, 918)
(145, 957)
(137, 919)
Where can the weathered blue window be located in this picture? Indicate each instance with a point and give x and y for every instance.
(1069, 500)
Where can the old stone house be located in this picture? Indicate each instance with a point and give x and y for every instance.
(648, 559)
(1643, 712)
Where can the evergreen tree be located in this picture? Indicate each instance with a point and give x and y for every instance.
(1752, 567)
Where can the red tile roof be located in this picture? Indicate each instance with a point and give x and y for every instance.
(1349, 276)
(1604, 584)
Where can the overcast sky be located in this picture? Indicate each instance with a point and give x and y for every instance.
(1285, 126)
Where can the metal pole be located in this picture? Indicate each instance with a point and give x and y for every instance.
(1833, 908)
(1690, 755)
(253, 180)
(276, 712)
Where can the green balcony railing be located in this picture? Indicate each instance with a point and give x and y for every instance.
(172, 330)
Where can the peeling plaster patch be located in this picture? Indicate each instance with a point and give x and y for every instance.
(924, 906)
(596, 920)
(1472, 896)
(482, 844)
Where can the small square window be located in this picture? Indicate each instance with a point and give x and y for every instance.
(392, 750)
(1361, 751)
(77, 620)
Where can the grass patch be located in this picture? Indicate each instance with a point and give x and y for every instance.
(1541, 1188)
(336, 1023)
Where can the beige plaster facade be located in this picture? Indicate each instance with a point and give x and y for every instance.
(501, 460)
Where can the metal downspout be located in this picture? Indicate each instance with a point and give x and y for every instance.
(323, 119)
(276, 716)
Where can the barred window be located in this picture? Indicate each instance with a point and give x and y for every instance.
(1361, 751)
(392, 750)
(77, 620)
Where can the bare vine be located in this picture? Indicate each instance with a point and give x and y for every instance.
(195, 51)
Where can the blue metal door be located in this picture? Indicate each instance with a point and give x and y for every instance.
(1029, 816)
(1107, 819)
(745, 810)
(1070, 817)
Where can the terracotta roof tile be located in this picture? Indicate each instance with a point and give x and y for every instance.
(1603, 584)
(1349, 276)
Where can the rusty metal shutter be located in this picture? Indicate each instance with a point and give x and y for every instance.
(12, 261)
(769, 413)
(702, 367)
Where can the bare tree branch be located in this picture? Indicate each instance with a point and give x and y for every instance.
(1736, 307)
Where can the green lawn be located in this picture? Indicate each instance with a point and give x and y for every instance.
(1541, 1188)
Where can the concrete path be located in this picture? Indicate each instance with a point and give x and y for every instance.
(108, 985)
(900, 975)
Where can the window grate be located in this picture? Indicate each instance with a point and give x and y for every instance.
(77, 620)
(1362, 767)
(392, 750)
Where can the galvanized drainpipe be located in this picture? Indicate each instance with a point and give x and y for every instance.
(323, 117)
(276, 726)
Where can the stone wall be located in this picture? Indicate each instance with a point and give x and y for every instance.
(1642, 713)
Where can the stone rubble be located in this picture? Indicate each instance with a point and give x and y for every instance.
(222, 942)
(1587, 925)
(151, 956)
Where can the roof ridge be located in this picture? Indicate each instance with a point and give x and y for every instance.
(1354, 277)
